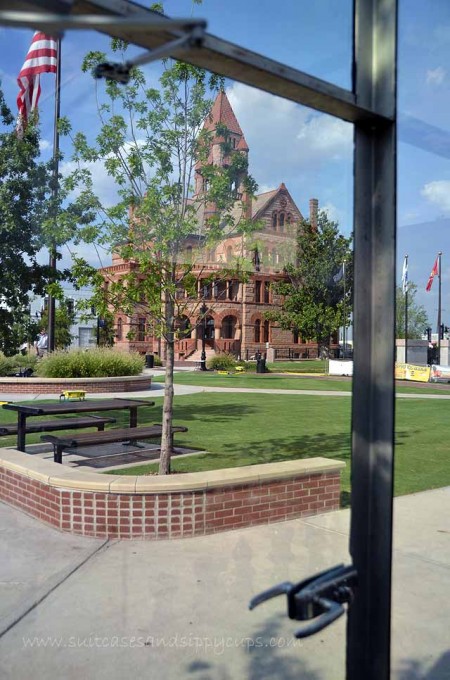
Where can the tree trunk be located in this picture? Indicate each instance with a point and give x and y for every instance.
(167, 415)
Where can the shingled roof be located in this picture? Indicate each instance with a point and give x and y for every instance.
(222, 113)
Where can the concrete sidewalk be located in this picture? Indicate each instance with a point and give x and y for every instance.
(76, 607)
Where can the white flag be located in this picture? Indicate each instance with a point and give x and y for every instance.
(405, 275)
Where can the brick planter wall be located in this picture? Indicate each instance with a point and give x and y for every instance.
(57, 385)
(107, 506)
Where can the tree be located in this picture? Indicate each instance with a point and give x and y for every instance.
(313, 290)
(152, 142)
(417, 316)
(32, 216)
(64, 318)
(24, 190)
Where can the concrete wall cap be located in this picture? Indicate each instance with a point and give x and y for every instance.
(72, 478)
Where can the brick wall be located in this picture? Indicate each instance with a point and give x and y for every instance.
(55, 386)
(173, 514)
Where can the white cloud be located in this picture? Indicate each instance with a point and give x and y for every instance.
(438, 193)
(103, 184)
(334, 214)
(285, 139)
(44, 145)
(436, 76)
(325, 138)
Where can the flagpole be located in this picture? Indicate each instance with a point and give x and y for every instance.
(406, 311)
(439, 308)
(53, 254)
(345, 318)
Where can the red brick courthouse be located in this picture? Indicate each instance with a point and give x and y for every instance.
(235, 320)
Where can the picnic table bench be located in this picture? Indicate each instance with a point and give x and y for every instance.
(59, 424)
(25, 411)
(126, 435)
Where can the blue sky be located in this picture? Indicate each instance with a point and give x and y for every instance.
(310, 153)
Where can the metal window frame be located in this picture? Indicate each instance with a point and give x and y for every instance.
(371, 107)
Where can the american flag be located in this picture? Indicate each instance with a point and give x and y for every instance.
(42, 57)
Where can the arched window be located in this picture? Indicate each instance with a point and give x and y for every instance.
(257, 330)
(281, 221)
(266, 332)
(289, 218)
(228, 327)
(188, 253)
(267, 291)
(229, 253)
(274, 220)
(295, 336)
(120, 329)
(209, 328)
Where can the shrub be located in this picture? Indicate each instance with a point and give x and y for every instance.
(93, 363)
(5, 365)
(221, 362)
(12, 365)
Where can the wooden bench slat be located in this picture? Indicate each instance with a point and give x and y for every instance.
(58, 424)
(109, 436)
(105, 437)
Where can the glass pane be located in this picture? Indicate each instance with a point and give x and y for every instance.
(421, 559)
(315, 37)
(179, 608)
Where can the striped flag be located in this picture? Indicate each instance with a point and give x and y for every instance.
(405, 276)
(41, 58)
(433, 273)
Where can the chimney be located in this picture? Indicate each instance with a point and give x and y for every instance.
(313, 212)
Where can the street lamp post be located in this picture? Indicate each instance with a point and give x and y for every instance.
(203, 310)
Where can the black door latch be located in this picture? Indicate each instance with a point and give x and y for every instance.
(319, 597)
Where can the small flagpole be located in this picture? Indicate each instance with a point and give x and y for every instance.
(405, 264)
(439, 308)
(345, 318)
(52, 254)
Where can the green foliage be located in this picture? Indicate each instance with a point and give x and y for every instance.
(12, 365)
(94, 363)
(32, 216)
(314, 302)
(150, 142)
(63, 321)
(221, 362)
(417, 316)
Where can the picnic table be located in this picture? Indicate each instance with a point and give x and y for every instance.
(25, 411)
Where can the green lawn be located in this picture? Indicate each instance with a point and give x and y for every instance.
(257, 381)
(287, 382)
(246, 429)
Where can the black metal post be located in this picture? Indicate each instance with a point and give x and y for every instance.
(203, 310)
(53, 253)
(373, 406)
(439, 310)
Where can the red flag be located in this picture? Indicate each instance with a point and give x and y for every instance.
(434, 271)
(41, 58)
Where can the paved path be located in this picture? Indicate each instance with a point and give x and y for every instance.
(175, 610)
(157, 389)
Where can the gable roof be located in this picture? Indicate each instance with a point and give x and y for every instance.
(261, 202)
